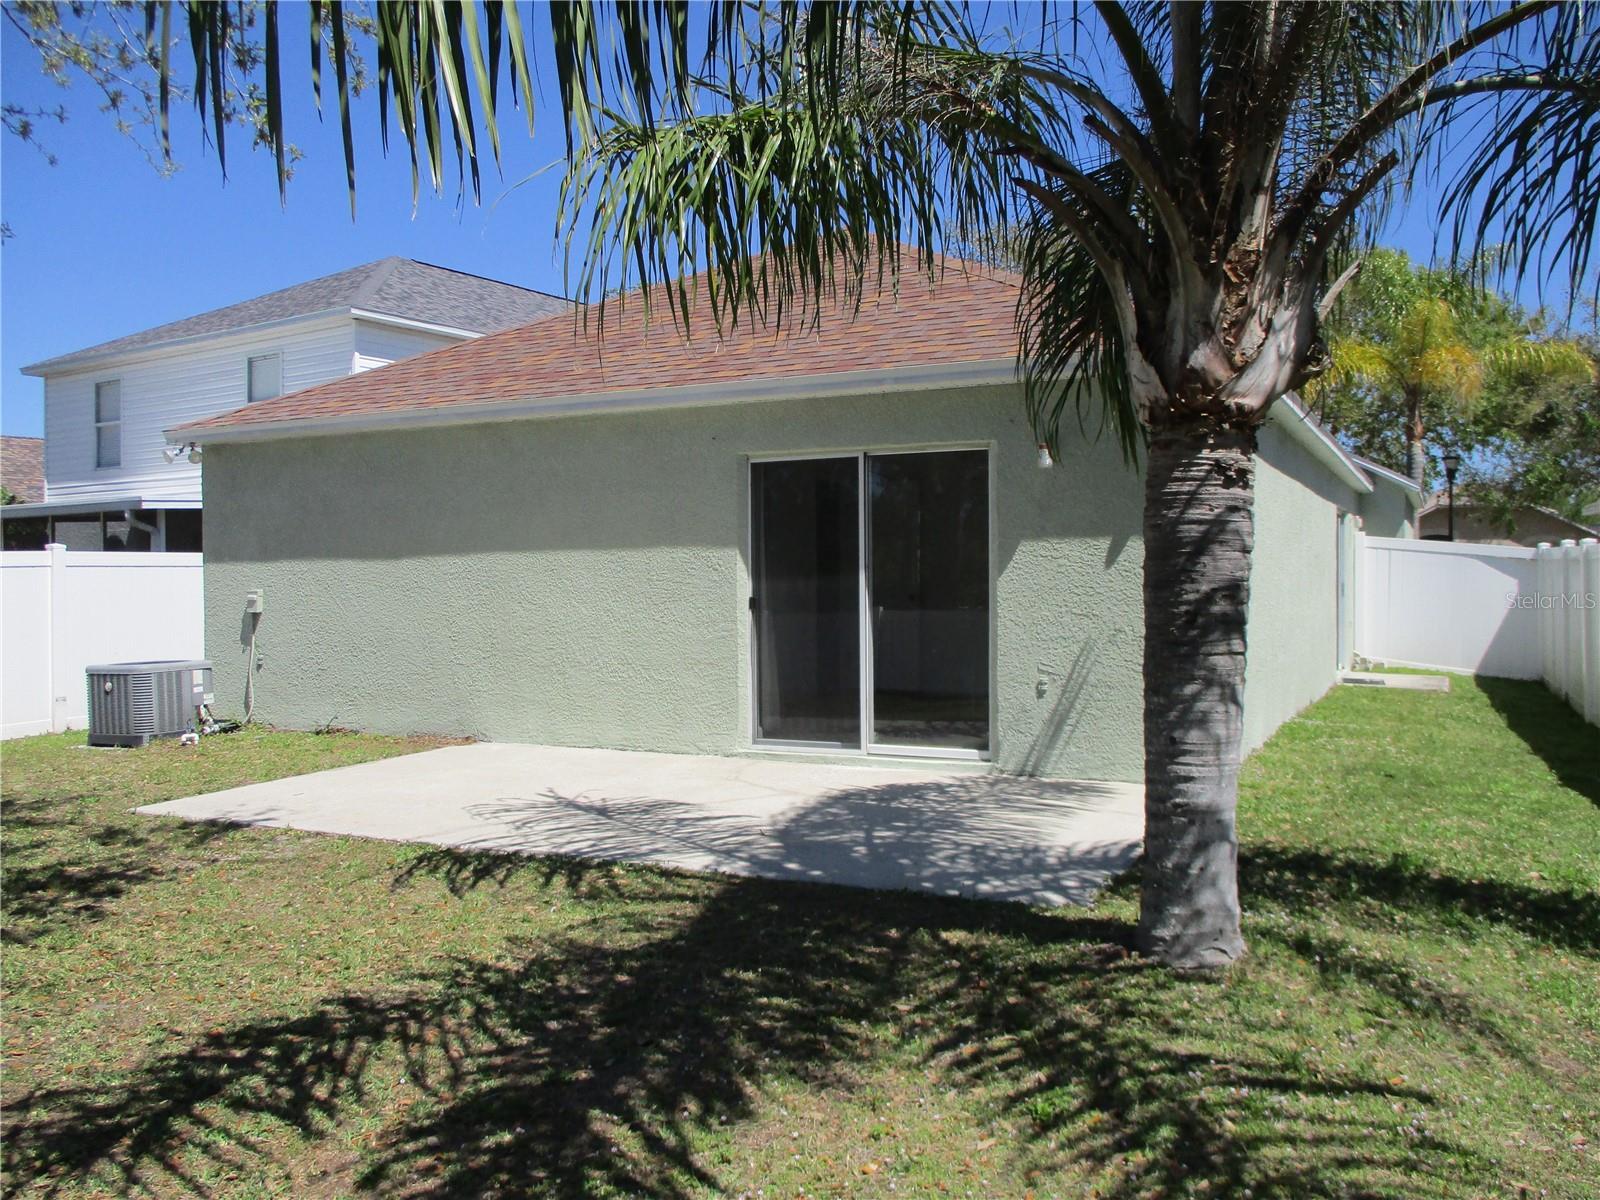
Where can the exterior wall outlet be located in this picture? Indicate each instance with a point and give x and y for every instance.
(253, 602)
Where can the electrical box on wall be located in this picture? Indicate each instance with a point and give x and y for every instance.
(253, 602)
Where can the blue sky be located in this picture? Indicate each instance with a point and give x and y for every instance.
(105, 246)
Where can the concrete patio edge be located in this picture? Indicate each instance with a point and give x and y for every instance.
(936, 830)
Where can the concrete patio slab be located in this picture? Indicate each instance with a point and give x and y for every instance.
(1410, 683)
(940, 830)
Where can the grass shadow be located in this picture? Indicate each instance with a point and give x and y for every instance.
(558, 1069)
(589, 1066)
(464, 871)
(1108, 1057)
(63, 870)
(1552, 729)
(1310, 882)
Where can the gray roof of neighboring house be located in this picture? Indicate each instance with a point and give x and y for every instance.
(396, 287)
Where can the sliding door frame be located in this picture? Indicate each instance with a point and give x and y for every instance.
(867, 747)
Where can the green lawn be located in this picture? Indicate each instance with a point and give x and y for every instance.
(192, 1009)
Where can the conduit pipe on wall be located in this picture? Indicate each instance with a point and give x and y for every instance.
(135, 523)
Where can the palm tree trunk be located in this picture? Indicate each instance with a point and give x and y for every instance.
(1198, 533)
(1416, 457)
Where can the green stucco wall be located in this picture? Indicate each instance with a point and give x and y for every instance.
(1293, 636)
(1388, 510)
(583, 580)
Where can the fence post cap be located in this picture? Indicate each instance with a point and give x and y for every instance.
(1568, 542)
(1589, 541)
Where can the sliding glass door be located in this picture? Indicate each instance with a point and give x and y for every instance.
(870, 602)
(929, 534)
(806, 602)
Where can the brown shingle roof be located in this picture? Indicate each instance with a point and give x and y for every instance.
(966, 316)
(22, 467)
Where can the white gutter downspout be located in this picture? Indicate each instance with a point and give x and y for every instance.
(157, 542)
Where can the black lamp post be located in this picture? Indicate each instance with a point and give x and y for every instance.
(1452, 464)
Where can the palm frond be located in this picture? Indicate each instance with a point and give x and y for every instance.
(1074, 327)
(787, 148)
(1357, 360)
(1553, 359)
(1450, 368)
(1530, 181)
(787, 202)
(1073, 334)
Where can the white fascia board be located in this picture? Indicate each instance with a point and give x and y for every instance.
(155, 349)
(631, 400)
(57, 508)
(378, 318)
(1289, 413)
(91, 504)
(1372, 468)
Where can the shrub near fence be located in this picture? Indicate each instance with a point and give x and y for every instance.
(1567, 599)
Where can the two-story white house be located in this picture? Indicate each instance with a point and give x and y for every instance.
(110, 480)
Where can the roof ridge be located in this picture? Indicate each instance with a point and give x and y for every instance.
(421, 262)
(375, 279)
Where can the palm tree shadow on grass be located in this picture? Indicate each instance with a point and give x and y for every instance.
(60, 870)
(464, 871)
(1553, 730)
(1306, 881)
(595, 1065)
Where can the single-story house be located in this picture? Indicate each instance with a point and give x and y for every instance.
(1521, 525)
(835, 539)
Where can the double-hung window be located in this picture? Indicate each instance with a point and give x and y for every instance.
(266, 376)
(108, 423)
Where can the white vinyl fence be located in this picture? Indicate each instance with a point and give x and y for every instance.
(1567, 605)
(61, 610)
(1456, 605)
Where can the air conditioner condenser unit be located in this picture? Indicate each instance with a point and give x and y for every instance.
(130, 704)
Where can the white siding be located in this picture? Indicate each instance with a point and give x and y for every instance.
(164, 388)
(377, 345)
